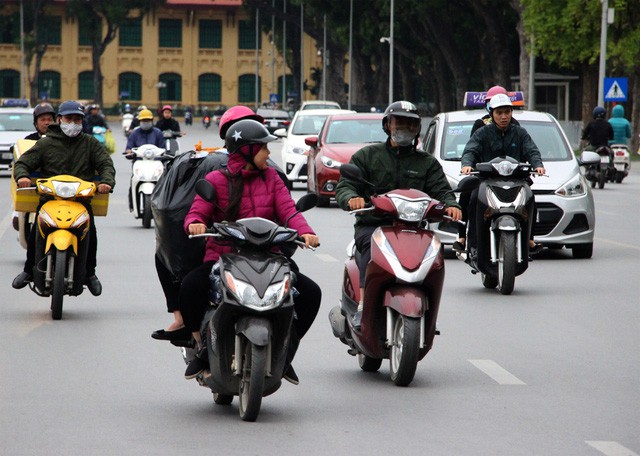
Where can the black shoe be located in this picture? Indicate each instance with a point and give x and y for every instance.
(197, 365)
(177, 334)
(21, 280)
(290, 375)
(537, 248)
(94, 285)
(458, 247)
(356, 320)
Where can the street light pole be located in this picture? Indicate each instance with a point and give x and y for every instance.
(350, 52)
(391, 55)
(301, 52)
(603, 52)
(22, 71)
(284, 55)
(324, 60)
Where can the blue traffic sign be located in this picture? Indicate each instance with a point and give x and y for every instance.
(616, 89)
(274, 98)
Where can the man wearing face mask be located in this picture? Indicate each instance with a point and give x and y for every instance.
(66, 150)
(145, 134)
(390, 165)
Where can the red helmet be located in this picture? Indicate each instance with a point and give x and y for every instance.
(235, 114)
(495, 90)
(165, 107)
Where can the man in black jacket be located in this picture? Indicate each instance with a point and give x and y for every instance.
(43, 116)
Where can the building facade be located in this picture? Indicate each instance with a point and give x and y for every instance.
(185, 53)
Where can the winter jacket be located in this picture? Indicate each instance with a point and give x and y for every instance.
(140, 137)
(598, 132)
(486, 120)
(93, 121)
(263, 195)
(490, 142)
(56, 153)
(389, 168)
(621, 126)
(168, 124)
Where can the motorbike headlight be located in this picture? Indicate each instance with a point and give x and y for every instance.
(505, 168)
(247, 295)
(410, 210)
(86, 192)
(576, 186)
(330, 162)
(65, 189)
(45, 218)
(148, 154)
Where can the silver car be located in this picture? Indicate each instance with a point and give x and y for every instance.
(566, 215)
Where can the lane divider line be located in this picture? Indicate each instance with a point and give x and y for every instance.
(326, 257)
(610, 448)
(496, 372)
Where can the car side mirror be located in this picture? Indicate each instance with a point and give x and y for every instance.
(588, 158)
(280, 132)
(311, 141)
(205, 190)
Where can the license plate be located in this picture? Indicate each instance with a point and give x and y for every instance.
(620, 166)
(7, 156)
(274, 123)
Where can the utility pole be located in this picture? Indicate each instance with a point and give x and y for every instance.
(603, 51)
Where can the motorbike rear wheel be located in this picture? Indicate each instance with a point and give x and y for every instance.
(146, 211)
(507, 262)
(368, 364)
(602, 178)
(57, 292)
(405, 348)
(252, 381)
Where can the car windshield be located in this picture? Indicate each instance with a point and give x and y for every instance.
(16, 121)
(308, 125)
(546, 135)
(355, 131)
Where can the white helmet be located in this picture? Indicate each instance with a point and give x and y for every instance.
(499, 100)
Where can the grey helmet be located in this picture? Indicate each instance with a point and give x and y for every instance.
(245, 132)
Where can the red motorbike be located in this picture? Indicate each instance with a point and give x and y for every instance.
(403, 285)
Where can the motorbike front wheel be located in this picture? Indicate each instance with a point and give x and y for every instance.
(146, 211)
(602, 178)
(57, 292)
(488, 281)
(507, 262)
(252, 382)
(404, 350)
(368, 364)
(222, 399)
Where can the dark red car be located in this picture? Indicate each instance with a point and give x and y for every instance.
(341, 136)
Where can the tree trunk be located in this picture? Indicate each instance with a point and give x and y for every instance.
(589, 91)
(524, 59)
(634, 144)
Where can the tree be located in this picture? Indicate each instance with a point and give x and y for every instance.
(91, 14)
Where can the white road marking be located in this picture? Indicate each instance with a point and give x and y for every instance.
(610, 448)
(326, 258)
(619, 244)
(496, 372)
(4, 224)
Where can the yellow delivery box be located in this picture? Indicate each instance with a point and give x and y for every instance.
(27, 200)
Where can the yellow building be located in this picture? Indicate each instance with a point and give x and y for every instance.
(197, 53)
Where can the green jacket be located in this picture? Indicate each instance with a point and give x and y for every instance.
(490, 142)
(391, 168)
(56, 153)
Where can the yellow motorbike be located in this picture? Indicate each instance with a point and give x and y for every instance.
(62, 239)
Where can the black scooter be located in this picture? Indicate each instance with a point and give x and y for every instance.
(248, 327)
(599, 173)
(503, 221)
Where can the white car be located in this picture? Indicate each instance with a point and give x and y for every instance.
(319, 104)
(294, 150)
(566, 215)
(15, 124)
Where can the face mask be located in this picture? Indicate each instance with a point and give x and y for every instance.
(145, 125)
(403, 137)
(71, 129)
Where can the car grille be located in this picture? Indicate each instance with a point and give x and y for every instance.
(548, 217)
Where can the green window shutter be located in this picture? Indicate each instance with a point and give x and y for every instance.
(247, 35)
(172, 87)
(209, 87)
(210, 34)
(49, 85)
(85, 86)
(170, 33)
(130, 33)
(132, 84)
(247, 88)
(9, 84)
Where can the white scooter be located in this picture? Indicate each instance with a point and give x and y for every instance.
(147, 169)
(621, 160)
(127, 118)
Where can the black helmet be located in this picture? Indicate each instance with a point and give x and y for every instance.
(599, 112)
(399, 109)
(71, 107)
(43, 108)
(245, 132)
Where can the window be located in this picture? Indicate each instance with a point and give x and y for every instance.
(85, 86)
(86, 32)
(170, 33)
(130, 33)
(209, 87)
(9, 84)
(247, 35)
(50, 30)
(130, 86)
(210, 34)
(247, 88)
(49, 85)
(170, 87)
(10, 29)
(289, 88)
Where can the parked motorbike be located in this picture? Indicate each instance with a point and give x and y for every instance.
(503, 221)
(248, 327)
(604, 171)
(62, 240)
(127, 118)
(621, 161)
(402, 288)
(171, 142)
(147, 169)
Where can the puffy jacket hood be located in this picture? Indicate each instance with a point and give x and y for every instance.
(618, 111)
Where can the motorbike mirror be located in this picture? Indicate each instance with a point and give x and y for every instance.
(351, 172)
(205, 190)
(467, 184)
(588, 158)
(306, 202)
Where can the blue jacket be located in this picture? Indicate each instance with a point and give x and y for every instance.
(140, 137)
(621, 126)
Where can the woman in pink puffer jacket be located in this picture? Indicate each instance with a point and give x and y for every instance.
(247, 188)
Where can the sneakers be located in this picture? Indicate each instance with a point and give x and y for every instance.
(197, 365)
(94, 285)
(21, 280)
(290, 375)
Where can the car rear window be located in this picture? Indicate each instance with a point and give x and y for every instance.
(308, 125)
(355, 131)
(16, 121)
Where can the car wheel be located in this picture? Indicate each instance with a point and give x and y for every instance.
(582, 251)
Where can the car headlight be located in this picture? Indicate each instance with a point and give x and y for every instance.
(298, 150)
(410, 210)
(576, 186)
(330, 162)
(247, 295)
